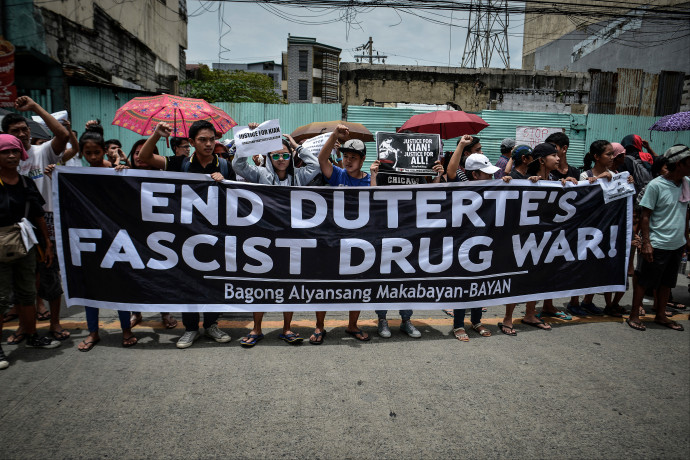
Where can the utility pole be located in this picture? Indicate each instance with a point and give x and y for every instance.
(369, 47)
(487, 33)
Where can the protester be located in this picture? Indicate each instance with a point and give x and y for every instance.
(280, 170)
(521, 158)
(350, 175)
(114, 151)
(467, 145)
(202, 136)
(634, 146)
(22, 204)
(507, 146)
(406, 325)
(664, 227)
(38, 158)
(180, 146)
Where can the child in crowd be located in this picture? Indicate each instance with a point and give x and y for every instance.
(350, 175)
(92, 146)
(279, 170)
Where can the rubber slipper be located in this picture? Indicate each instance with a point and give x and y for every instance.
(318, 338)
(676, 305)
(558, 314)
(359, 335)
(45, 316)
(637, 325)
(131, 344)
(502, 327)
(291, 338)
(449, 313)
(89, 344)
(169, 321)
(17, 339)
(60, 335)
(250, 340)
(135, 319)
(671, 325)
(537, 324)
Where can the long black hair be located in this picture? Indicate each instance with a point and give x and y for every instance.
(130, 157)
(596, 149)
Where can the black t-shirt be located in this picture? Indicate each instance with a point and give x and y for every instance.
(572, 172)
(175, 164)
(13, 200)
(515, 174)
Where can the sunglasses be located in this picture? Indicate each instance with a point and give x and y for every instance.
(280, 156)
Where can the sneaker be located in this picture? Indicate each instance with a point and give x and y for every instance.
(409, 329)
(187, 339)
(34, 341)
(592, 309)
(577, 310)
(216, 334)
(4, 364)
(383, 329)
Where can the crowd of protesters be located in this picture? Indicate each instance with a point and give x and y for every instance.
(29, 278)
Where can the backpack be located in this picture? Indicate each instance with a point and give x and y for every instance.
(641, 174)
(222, 164)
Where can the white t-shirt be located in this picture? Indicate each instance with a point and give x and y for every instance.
(75, 160)
(40, 156)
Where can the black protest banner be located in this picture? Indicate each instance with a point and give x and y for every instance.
(407, 154)
(156, 241)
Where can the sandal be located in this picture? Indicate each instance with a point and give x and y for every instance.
(89, 344)
(460, 334)
(127, 341)
(557, 314)
(250, 340)
(45, 316)
(135, 319)
(9, 317)
(676, 305)
(359, 335)
(60, 335)
(481, 330)
(614, 310)
(169, 321)
(291, 338)
(503, 328)
(16, 339)
(537, 324)
(317, 337)
(637, 325)
(671, 325)
(449, 313)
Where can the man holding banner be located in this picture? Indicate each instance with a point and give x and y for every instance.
(202, 136)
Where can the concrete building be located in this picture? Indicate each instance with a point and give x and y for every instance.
(310, 71)
(270, 68)
(654, 37)
(137, 46)
(471, 90)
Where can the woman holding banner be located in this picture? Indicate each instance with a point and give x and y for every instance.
(280, 170)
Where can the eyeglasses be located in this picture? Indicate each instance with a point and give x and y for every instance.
(280, 156)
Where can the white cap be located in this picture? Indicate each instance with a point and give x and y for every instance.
(479, 162)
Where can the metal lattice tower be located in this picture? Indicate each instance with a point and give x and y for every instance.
(487, 33)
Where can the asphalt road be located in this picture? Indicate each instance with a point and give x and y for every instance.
(591, 388)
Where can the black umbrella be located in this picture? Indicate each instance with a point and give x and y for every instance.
(37, 131)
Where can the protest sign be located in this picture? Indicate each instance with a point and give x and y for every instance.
(315, 143)
(260, 141)
(183, 242)
(407, 154)
(525, 135)
(618, 187)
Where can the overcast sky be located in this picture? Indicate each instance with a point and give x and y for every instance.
(255, 34)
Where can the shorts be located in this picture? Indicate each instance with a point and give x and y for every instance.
(19, 278)
(49, 282)
(663, 271)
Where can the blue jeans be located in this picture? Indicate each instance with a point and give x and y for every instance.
(404, 314)
(191, 320)
(92, 319)
(459, 317)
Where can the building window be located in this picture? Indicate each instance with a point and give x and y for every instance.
(303, 60)
(303, 89)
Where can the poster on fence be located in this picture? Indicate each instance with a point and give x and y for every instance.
(407, 154)
(160, 241)
(525, 135)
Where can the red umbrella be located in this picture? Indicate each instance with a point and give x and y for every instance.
(447, 123)
(142, 114)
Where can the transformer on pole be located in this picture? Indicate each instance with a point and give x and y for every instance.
(487, 33)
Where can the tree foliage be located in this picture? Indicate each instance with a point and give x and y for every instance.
(231, 86)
